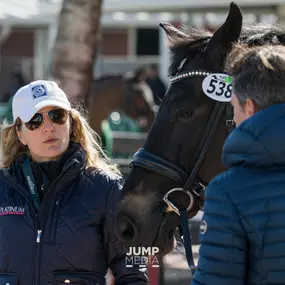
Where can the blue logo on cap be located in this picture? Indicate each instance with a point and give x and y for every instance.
(39, 91)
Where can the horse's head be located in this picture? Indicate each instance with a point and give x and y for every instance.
(136, 104)
(176, 138)
(117, 92)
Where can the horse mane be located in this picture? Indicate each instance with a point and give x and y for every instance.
(192, 40)
(189, 42)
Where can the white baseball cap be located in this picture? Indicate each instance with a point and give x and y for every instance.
(30, 98)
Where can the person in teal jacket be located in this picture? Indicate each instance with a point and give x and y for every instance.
(243, 226)
(8, 116)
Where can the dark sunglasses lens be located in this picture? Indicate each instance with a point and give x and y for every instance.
(58, 116)
(35, 122)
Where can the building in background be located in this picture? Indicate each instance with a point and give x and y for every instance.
(131, 37)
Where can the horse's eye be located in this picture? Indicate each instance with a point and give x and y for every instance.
(185, 114)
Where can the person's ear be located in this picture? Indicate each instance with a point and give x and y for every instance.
(250, 108)
(20, 135)
(71, 123)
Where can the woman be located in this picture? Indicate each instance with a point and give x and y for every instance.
(57, 197)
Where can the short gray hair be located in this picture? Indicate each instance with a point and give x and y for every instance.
(258, 74)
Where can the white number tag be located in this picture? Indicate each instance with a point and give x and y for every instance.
(218, 87)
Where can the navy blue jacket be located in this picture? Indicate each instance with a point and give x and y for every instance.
(77, 243)
(243, 228)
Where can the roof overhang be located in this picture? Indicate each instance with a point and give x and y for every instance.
(190, 6)
(137, 12)
(18, 9)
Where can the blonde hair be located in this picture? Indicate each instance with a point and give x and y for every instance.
(11, 147)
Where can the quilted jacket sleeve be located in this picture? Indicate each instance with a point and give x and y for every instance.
(114, 248)
(223, 251)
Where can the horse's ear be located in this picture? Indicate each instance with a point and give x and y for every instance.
(172, 32)
(228, 33)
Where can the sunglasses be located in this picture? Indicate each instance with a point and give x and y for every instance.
(57, 116)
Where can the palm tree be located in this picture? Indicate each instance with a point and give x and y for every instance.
(76, 46)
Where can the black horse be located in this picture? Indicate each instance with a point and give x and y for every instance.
(187, 136)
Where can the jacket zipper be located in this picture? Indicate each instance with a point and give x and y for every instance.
(38, 240)
(41, 222)
(55, 220)
(40, 230)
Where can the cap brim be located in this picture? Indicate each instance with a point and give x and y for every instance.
(48, 103)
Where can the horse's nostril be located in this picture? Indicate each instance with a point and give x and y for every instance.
(127, 230)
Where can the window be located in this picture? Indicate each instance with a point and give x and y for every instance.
(114, 42)
(147, 42)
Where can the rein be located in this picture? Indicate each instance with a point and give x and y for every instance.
(193, 187)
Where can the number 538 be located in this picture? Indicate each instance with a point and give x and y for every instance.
(220, 88)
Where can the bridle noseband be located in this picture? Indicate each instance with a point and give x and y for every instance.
(193, 186)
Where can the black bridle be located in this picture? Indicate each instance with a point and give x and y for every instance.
(193, 186)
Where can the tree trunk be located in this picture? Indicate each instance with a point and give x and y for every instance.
(76, 46)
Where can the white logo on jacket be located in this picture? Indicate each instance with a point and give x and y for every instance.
(31, 184)
(203, 227)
